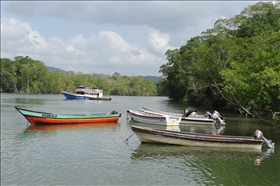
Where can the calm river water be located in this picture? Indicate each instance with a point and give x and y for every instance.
(100, 155)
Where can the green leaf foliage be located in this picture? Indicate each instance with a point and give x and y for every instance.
(26, 75)
(236, 64)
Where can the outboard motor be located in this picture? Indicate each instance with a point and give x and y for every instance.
(114, 112)
(259, 135)
(216, 115)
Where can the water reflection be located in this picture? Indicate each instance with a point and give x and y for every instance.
(72, 126)
(33, 156)
(52, 129)
(83, 100)
(266, 154)
(198, 154)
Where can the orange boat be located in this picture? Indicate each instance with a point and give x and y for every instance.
(112, 125)
(35, 117)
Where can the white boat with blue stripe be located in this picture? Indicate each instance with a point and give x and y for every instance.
(85, 93)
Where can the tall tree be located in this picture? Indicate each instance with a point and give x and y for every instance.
(237, 60)
(8, 75)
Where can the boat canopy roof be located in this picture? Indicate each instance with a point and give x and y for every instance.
(87, 88)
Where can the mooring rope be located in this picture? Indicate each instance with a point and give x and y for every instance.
(128, 138)
(127, 116)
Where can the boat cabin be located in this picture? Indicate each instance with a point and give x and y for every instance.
(83, 90)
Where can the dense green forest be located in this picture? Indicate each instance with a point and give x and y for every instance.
(26, 75)
(235, 65)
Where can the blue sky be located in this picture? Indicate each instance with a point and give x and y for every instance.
(128, 37)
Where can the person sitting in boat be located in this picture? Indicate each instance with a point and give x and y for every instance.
(193, 113)
(208, 115)
(114, 112)
(189, 111)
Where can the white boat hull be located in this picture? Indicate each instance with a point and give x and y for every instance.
(69, 95)
(149, 135)
(149, 138)
(158, 119)
(185, 120)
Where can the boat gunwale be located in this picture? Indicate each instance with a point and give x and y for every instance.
(146, 115)
(87, 116)
(198, 118)
(31, 111)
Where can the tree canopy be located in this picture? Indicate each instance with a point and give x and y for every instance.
(26, 75)
(236, 64)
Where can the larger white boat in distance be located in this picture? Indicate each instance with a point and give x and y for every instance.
(85, 93)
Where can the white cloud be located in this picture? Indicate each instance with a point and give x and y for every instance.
(159, 42)
(112, 41)
(100, 37)
(19, 37)
(161, 15)
(102, 53)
